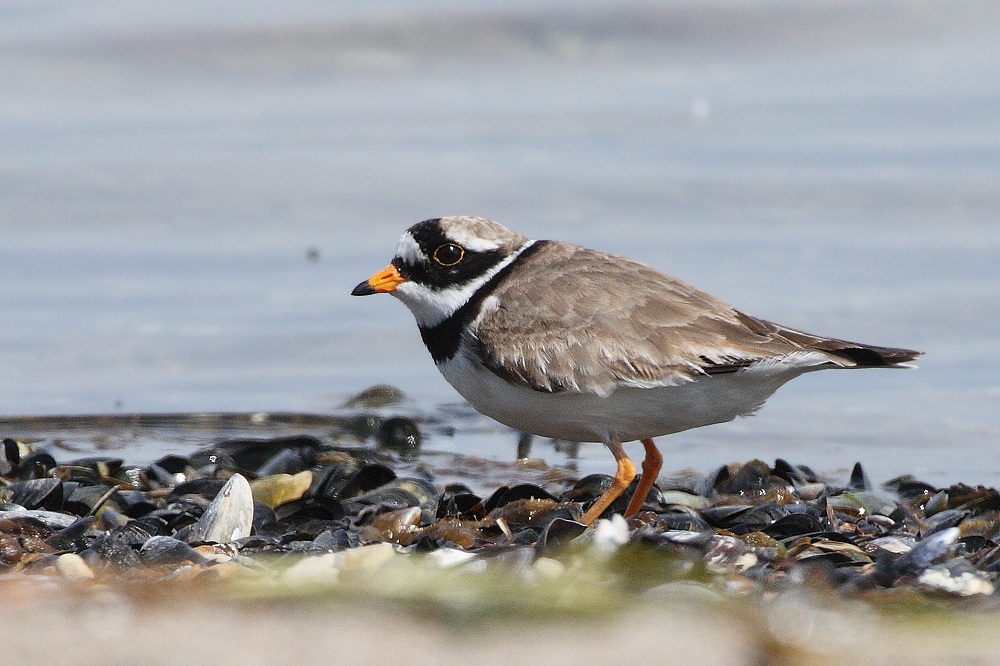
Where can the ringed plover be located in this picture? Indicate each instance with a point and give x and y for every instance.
(565, 342)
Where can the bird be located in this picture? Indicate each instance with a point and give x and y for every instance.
(566, 342)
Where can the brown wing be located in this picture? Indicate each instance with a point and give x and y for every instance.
(575, 319)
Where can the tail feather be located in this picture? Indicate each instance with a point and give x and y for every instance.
(857, 354)
(870, 356)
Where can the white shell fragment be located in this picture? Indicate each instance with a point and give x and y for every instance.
(229, 516)
(610, 535)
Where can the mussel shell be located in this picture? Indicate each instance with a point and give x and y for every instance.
(859, 480)
(10, 456)
(263, 514)
(108, 518)
(37, 465)
(751, 479)
(588, 488)
(369, 477)
(908, 487)
(936, 504)
(401, 435)
(707, 485)
(162, 477)
(794, 525)
(337, 540)
(926, 551)
(35, 494)
(757, 518)
(154, 526)
(137, 505)
(173, 464)
(308, 508)
(175, 516)
(80, 474)
(973, 544)
(460, 505)
(793, 474)
(558, 532)
(688, 544)
(685, 521)
(507, 494)
(278, 532)
(862, 503)
(228, 517)
(104, 467)
(84, 499)
(288, 461)
(207, 487)
(74, 537)
(23, 525)
(247, 456)
(328, 478)
(591, 487)
(134, 533)
(53, 520)
(403, 492)
(167, 551)
(977, 499)
(115, 549)
(944, 520)
(723, 516)
(425, 544)
(527, 536)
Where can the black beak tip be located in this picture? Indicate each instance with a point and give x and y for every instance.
(363, 289)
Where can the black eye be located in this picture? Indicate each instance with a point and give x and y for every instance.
(449, 254)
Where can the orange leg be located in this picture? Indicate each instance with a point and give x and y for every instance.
(624, 476)
(650, 470)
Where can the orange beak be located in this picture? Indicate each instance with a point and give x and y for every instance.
(380, 283)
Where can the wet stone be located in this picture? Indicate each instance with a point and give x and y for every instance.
(374, 397)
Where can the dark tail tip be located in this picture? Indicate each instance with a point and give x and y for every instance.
(868, 356)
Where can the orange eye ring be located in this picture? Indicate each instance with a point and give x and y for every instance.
(449, 254)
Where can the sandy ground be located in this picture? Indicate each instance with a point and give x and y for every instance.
(45, 623)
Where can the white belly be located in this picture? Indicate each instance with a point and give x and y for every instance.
(628, 413)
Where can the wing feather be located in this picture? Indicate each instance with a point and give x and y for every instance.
(579, 320)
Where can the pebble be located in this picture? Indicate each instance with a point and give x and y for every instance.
(72, 567)
(279, 489)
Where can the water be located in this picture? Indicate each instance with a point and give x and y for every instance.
(165, 171)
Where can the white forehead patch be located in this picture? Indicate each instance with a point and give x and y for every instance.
(472, 242)
(409, 251)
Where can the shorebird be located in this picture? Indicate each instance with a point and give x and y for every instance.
(561, 341)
